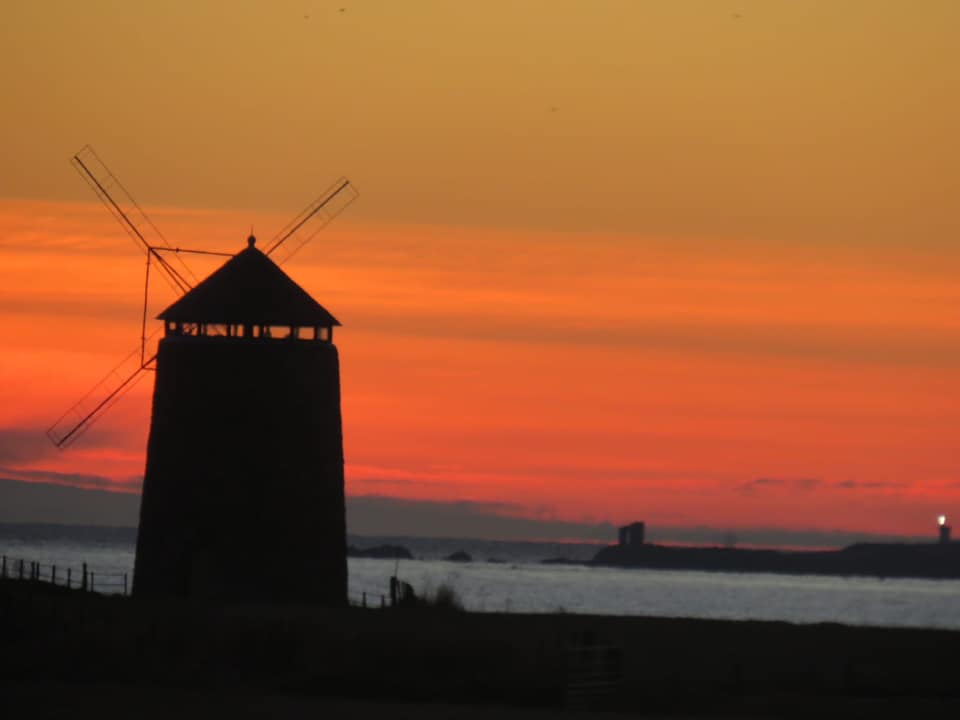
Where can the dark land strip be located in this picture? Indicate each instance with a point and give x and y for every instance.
(920, 560)
(131, 656)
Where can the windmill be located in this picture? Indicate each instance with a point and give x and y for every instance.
(166, 260)
(243, 492)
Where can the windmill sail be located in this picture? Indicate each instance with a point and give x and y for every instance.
(114, 196)
(84, 413)
(316, 216)
(119, 381)
(131, 217)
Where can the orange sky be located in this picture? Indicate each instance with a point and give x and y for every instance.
(611, 260)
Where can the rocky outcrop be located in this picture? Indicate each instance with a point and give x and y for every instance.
(385, 552)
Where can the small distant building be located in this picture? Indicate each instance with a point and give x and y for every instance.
(632, 534)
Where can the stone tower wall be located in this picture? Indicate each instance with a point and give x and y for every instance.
(243, 496)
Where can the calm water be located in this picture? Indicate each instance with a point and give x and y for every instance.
(522, 584)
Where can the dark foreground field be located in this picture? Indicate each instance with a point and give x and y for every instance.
(66, 653)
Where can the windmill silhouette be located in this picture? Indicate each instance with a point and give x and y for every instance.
(167, 260)
(243, 495)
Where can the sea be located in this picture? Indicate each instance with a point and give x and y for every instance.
(512, 577)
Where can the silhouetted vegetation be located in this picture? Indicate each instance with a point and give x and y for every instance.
(55, 637)
(444, 598)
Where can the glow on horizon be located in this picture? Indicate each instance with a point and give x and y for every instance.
(611, 260)
(494, 382)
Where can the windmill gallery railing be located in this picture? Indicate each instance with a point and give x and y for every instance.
(82, 578)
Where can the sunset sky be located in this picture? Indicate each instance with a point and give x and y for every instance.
(692, 262)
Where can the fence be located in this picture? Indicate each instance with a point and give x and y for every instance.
(368, 598)
(116, 583)
(594, 673)
(83, 578)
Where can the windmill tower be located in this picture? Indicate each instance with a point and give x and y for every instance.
(243, 497)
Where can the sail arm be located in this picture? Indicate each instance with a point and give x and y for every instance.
(317, 215)
(131, 217)
(104, 395)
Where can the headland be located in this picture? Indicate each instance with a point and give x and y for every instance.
(921, 560)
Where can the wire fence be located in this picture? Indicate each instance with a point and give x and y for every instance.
(594, 674)
(82, 578)
(368, 598)
(117, 583)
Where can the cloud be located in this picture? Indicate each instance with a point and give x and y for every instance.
(51, 497)
(74, 480)
(377, 475)
(69, 305)
(38, 502)
(903, 345)
(763, 483)
(378, 480)
(382, 515)
(24, 445)
(868, 485)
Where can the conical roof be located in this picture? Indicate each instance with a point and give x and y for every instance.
(249, 289)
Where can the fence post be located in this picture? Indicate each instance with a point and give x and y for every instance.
(34, 570)
(20, 573)
(124, 584)
(68, 578)
(3, 573)
(383, 600)
(91, 581)
(364, 599)
(53, 574)
(83, 582)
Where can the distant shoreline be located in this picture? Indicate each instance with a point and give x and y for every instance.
(883, 560)
(894, 560)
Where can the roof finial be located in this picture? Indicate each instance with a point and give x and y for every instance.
(252, 240)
